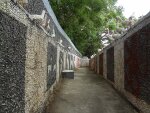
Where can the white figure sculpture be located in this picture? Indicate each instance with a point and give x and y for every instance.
(53, 34)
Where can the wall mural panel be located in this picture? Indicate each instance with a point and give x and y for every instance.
(110, 64)
(137, 64)
(12, 64)
(51, 64)
(35, 7)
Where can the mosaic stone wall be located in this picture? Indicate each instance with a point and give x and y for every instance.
(126, 64)
(28, 57)
(30, 6)
(12, 64)
(51, 64)
(110, 64)
(137, 64)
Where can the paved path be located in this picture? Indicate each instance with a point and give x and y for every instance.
(89, 93)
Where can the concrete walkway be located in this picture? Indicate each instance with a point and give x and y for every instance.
(89, 93)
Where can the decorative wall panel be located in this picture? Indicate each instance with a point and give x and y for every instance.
(137, 64)
(51, 64)
(35, 6)
(12, 64)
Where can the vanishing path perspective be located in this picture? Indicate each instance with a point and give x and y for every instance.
(89, 93)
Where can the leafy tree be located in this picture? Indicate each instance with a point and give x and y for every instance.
(84, 20)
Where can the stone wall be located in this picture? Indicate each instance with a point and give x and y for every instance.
(126, 64)
(31, 59)
(12, 64)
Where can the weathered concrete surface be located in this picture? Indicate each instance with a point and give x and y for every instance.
(89, 93)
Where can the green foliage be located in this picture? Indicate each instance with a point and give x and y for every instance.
(83, 20)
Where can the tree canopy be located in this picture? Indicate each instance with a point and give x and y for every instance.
(84, 20)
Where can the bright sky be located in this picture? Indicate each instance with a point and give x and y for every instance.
(135, 7)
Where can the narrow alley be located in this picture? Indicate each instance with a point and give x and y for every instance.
(89, 93)
(36, 52)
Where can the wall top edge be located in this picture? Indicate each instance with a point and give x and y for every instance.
(51, 13)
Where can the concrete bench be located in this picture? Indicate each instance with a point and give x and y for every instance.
(68, 74)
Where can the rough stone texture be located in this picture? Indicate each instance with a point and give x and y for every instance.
(110, 64)
(36, 70)
(12, 10)
(29, 77)
(131, 64)
(34, 6)
(119, 65)
(12, 64)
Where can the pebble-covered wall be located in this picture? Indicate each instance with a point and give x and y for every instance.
(12, 64)
(34, 50)
(137, 64)
(126, 64)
